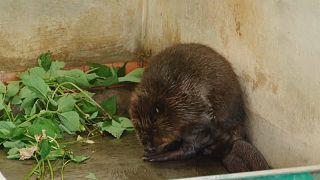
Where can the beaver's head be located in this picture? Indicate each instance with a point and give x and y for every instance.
(155, 115)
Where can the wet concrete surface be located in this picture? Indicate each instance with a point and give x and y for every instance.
(117, 159)
(112, 158)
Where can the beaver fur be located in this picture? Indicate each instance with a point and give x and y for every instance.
(189, 102)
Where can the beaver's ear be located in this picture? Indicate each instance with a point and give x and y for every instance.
(244, 157)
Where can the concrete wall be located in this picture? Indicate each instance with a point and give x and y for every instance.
(74, 30)
(274, 48)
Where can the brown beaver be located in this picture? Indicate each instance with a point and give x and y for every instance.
(190, 102)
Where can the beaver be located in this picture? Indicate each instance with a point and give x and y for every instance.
(189, 102)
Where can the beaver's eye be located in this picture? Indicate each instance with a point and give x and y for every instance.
(158, 108)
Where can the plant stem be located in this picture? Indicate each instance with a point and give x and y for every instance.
(79, 109)
(34, 169)
(51, 170)
(88, 136)
(8, 114)
(55, 141)
(42, 172)
(62, 169)
(55, 163)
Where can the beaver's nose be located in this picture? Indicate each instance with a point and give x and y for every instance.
(149, 149)
(149, 146)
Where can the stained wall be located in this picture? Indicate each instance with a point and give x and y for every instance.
(274, 48)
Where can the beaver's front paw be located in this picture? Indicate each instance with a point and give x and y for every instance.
(171, 155)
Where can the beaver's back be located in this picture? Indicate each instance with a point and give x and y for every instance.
(201, 73)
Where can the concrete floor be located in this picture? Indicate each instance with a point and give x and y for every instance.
(117, 159)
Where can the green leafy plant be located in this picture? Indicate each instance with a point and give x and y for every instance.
(49, 102)
(91, 176)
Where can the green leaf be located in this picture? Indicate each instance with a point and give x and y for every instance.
(84, 95)
(114, 71)
(16, 100)
(36, 71)
(133, 76)
(5, 129)
(75, 76)
(107, 81)
(52, 129)
(2, 87)
(101, 70)
(27, 105)
(17, 133)
(55, 154)
(129, 79)
(13, 88)
(45, 148)
(70, 120)
(62, 127)
(25, 92)
(14, 144)
(88, 106)
(14, 156)
(91, 76)
(37, 85)
(45, 61)
(56, 65)
(4, 135)
(21, 119)
(56, 69)
(91, 176)
(13, 153)
(110, 105)
(94, 115)
(53, 102)
(66, 103)
(112, 127)
(125, 122)
(122, 70)
(33, 109)
(77, 159)
(136, 73)
(7, 125)
(2, 105)
(116, 126)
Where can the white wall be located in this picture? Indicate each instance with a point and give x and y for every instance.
(274, 47)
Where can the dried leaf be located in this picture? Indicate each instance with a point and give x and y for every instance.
(38, 138)
(88, 141)
(26, 153)
(44, 135)
(79, 138)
